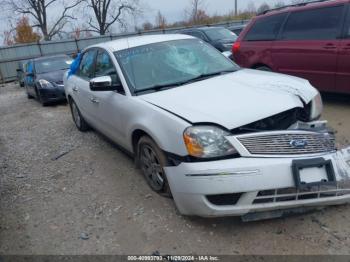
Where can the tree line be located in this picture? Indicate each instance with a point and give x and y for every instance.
(51, 19)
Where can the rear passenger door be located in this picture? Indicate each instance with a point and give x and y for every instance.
(343, 72)
(308, 45)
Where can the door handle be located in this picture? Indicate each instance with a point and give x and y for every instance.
(75, 89)
(94, 100)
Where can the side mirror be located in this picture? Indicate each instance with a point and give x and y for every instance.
(103, 83)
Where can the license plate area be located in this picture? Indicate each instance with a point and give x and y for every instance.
(313, 172)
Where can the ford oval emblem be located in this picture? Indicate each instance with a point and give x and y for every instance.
(298, 143)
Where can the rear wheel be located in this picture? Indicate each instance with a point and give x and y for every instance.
(78, 119)
(152, 161)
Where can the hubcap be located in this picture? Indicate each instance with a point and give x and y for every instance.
(76, 115)
(151, 168)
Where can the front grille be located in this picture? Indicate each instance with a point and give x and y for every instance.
(292, 194)
(287, 143)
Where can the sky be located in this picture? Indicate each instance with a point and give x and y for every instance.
(173, 10)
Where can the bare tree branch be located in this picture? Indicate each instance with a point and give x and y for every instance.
(108, 12)
(38, 12)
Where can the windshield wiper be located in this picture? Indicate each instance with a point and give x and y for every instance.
(157, 88)
(206, 76)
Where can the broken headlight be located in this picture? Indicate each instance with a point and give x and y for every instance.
(316, 107)
(208, 142)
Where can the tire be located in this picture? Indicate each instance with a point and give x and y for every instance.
(264, 68)
(78, 119)
(29, 96)
(39, 98)
(152, 161)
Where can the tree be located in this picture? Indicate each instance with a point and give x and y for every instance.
(24, 32)
(38, 12)
(196, 7)
(8, 38)
(108, 12)
(160, 21)
(146, 26)
(263, 7)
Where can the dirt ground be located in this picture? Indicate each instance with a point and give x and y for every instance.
(66, 192)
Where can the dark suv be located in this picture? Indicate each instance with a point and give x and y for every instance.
(219, 37)
(310, 40)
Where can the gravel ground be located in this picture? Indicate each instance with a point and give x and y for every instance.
(66, 192)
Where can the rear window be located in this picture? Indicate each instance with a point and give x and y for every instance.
(347, 25)
(317, 24)
(266, 29)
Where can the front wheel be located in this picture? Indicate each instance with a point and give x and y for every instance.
(78, 119)
(152, 161)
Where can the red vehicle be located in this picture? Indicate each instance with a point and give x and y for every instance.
(310, 40)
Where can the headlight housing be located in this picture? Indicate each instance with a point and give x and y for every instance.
(208, 142)
(316, 107)
(45, 84)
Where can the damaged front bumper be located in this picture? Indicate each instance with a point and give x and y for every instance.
(250, 185)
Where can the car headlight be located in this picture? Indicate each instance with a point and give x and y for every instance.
(208, 142)
(316, 107)
(45, 84)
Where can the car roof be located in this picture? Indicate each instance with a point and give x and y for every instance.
(135, 41)
(49, 57)
(302, 6)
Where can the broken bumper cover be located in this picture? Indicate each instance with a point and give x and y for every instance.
(241, 186)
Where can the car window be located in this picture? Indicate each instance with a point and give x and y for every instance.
(197, 34)
(86, 67)
(266, 29)
(171, 62)
(52, 64)
(216, 34)
(105, 66)
(317, 24)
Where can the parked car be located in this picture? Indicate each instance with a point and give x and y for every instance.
(221, 140)
(237, 29)
(44, 78)
(21, 72)
(219, 37)
(310, 40)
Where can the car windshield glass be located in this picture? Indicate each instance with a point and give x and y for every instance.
(53, 64)
(171, 63)
(216, 34)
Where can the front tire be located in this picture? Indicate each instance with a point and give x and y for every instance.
(152, 161)
(78, 119)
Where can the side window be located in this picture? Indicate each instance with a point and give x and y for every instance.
(86, 67)
(317, 24)
(266, 29)
(105, 66)
(198, 35)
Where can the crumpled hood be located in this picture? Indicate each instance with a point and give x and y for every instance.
(235, 99)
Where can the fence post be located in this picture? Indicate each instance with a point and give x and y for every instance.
(39, 46)
(76, 44)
